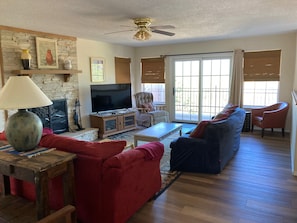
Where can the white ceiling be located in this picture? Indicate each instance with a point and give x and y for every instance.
(195, 20)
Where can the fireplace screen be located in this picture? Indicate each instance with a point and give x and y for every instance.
(54, 116)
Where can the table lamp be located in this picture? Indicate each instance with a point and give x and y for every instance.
(23, 129)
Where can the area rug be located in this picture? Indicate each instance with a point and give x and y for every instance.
(168, 177)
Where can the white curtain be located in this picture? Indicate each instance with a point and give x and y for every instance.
(237, 78)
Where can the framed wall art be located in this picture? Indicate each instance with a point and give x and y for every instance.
(97, 69)
(47, 53)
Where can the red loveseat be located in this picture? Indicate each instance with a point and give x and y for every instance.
(110, 184)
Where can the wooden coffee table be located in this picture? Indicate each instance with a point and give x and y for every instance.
(157, 132)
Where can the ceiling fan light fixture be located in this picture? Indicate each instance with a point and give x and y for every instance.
(142, 34)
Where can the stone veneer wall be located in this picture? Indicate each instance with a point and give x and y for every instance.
(52, 85)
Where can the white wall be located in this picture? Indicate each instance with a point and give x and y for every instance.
(285, 42)
(87, 49)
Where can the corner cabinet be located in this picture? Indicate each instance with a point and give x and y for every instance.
(113, 123)
(66, 73)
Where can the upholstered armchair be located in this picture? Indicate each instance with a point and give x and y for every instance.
(148, 113)
(273, 116)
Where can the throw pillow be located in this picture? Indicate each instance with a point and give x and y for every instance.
(227, 111)
(2, 136)
(103, 150)
(148, 106)
(222, 115)
(198, 132)
(230, 106)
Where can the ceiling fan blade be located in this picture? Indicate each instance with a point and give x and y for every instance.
(162, 32)
(127, 30)
(163, 27)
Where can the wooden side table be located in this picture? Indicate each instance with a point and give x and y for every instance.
(39, 170)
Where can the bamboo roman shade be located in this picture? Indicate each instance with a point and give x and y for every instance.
(262, 66)
(122, 70)
(153, 70)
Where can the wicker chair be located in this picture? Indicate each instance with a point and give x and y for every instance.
(148, 113)
(273, 116)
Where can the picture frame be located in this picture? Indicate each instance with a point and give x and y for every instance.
(97, 66)
(47, 53)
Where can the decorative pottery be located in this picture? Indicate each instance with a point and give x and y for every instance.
(67, 64)
(26, 59)
(23, 130)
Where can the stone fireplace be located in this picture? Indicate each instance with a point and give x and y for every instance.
(54, 116)
(52, 84)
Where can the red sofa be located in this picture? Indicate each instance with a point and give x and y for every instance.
(110, 184)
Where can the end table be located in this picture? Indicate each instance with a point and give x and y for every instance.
(39, 170)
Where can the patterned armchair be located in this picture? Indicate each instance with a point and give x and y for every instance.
(273, 116)
(148, 113)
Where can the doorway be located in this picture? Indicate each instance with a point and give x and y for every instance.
(200, 87)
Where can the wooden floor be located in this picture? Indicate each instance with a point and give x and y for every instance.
(256, 186)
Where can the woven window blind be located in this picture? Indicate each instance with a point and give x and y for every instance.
(153, 70)
(262, 66)
(122, 70)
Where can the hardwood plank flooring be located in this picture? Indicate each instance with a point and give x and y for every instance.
(256, 186)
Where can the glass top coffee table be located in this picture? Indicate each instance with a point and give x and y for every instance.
(157, 132)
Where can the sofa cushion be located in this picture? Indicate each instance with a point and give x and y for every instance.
(103, 150)
(198, 132)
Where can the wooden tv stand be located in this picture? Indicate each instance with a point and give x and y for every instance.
(111, 123)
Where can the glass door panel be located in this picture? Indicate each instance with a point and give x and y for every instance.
(201, 87)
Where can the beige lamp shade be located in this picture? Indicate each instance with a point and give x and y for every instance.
(20, 92)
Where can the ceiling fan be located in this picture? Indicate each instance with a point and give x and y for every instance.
(144, 29)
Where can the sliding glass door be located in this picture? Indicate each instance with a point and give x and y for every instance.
(186, 90)
(201, 86)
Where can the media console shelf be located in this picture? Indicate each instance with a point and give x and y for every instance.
(66, 73)
(111, 123)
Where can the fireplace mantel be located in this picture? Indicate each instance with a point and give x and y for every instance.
(66, 73)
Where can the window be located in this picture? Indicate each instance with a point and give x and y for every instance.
(260, 93)
(158, 91)
(261, 78)
(153, 78)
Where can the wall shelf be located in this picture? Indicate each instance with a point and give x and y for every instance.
(66, 73)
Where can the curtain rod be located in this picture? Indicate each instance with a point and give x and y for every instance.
(189, 54)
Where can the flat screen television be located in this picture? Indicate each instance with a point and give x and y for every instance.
(110, 97)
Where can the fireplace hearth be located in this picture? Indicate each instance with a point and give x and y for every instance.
(54, 116)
